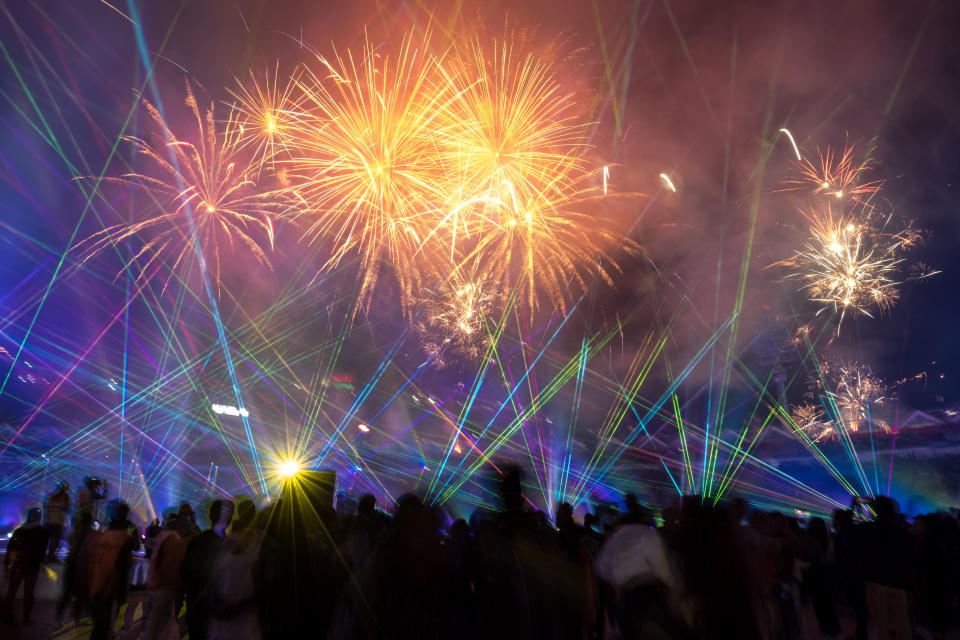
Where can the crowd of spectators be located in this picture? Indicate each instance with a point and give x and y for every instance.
(296, 569)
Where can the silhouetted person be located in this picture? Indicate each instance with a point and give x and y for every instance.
(149, 537)
(235, 614)
(633, 559)
(55, 517)
(103, 571)
(120, 521)
(22, 563)
(821, 578)
(938, 565)
(198, 566)
(187, 521)
(888, 557)
(309, 571)
(92, 491)
(69, 581)
(846, 558)
(408, 572)
(164, 579)
(570, 533)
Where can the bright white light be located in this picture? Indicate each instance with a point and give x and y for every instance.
(289, 468)
(229, 410)
(364, 428)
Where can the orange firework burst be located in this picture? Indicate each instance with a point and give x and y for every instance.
(545, 246)
(851, 260)
(205, 194)
(264, 114)
(518, 141)
(369, 176)
(810, 419)
(511, 124)
(450, 163)
(855, 391)
(836, 175)
(455, 318)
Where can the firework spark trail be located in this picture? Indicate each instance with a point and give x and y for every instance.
(811, 419)
(369, 175)
(793, 143)
(851, 260)
(453, 317)
(460, 162)
(824, 387)
(511, 124)
(187, 208)
(207, 182)
(784, 415)
(836, 175)
(668, 182)
(491, 356)
(264, 114)
(510, 226)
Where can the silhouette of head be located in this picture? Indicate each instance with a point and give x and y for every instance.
(511, 489)
(886, 509)
(221, 512)
(246, 512)
(564, 515)
(33, 515)
(367, 505)
(121, 510)
(817, 529)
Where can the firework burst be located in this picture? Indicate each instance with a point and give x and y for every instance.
(512, 122)
(855, 391)
(265, 113)
(369, 175)
(450, 163)
(810, 419)
(545, 247)
(837, 175)
(457, 319)
(205, 193)
(851, 261)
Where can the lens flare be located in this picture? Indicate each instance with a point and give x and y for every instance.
(288, 468)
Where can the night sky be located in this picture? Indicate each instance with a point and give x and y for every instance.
(697, 90)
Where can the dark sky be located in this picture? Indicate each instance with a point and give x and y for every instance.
(701, 87)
